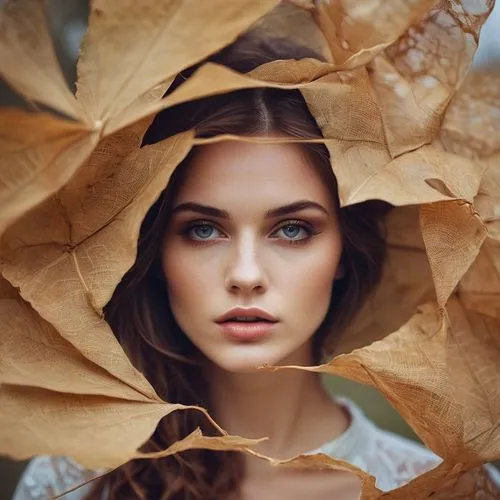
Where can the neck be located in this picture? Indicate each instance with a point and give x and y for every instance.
(280, 405)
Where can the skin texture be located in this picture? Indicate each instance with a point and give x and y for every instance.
(249, 260)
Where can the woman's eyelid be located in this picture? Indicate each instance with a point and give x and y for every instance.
(301, 224)
(223, 233)
(193, 224)
(294, 222)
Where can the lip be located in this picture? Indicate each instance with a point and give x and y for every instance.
(247, 332)
(246, 311)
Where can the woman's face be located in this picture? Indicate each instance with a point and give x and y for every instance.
(253, 226)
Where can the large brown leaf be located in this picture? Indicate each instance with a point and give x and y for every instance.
(426, 175)
(358, 31)
(39, 153)
(406, 274)
(428, 371)
(471, 128)
(160, 38)
(294, 19)
(36, 421)
(27, 58)
(417, 76)
(453, 236)
(472, 121)
(74, 263)
(32, 353)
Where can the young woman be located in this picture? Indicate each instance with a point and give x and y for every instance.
(246, 259)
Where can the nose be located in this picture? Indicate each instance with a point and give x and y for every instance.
(245, 274)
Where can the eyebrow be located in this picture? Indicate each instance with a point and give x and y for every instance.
(296, 206)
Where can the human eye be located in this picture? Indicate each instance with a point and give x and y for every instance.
(201, 231)
(294, 231)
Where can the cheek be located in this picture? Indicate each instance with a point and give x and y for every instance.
(311, 289)
(189, 279)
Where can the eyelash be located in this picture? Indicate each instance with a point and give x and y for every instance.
(311, 231)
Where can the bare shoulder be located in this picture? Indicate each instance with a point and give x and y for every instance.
(47, 476)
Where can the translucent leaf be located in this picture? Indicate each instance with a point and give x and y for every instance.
(392, 71)
(37, 421)
(27, 59)
(453, 236)
(418, 75)
(428, 371)
(54, 266)
(157, 37)
(32, 353)
(358, 31)
(479, 289)
(38, 155)
(472, 122)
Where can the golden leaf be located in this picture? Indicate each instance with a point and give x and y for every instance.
(40, 153)
(54, 266)
(453, 236)
(27, 59)
(157, 38)
(358, 31)
(418, 75)
(428, 372)
(479, 289)
(84, 423)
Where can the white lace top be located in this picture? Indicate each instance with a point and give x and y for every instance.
(392, 459)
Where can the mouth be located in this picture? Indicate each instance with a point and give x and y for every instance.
(246, 315)
(247, 319)
(247, 325)
(247, 331)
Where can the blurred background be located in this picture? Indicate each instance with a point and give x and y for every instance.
(67, 20)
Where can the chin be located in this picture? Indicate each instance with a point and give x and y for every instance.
(246, 359)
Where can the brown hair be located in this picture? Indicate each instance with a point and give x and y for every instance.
(139, 314)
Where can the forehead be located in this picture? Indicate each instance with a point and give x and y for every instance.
(239, 173)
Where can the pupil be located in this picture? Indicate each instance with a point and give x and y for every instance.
(203, 231)
(291, 231)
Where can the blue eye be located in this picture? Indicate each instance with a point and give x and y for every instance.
(293, 232)
(203, 232)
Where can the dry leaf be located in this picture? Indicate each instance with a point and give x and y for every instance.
(419, 74)
(27, 58)
(426, 175)
(453, 235)
(474, 484)
(157, 37)
(85, 423)
(471, 128)
(40, 153)
(37, 356)
(472, 121)
(358, 31)
(294, 19)
(197, 440)
(406, 274)
(428, 371)
(54, 266)
(479, 289)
